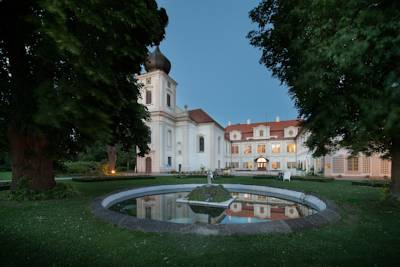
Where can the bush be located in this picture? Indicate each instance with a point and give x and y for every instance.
(23, 192)
(81, 167)
(210, 193)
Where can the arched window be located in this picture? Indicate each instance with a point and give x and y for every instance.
(201, 144)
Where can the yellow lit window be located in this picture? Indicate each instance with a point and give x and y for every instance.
(276, 148)
(261, 149)
(352, 164)
(291, 148)
(275, 165)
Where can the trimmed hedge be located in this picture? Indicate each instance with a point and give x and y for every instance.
(371, 183)
(190, 176)
(109, 178)
(297, 178)
(81, 167)
(313, 178)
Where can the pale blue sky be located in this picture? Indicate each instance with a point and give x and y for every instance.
(215, 66)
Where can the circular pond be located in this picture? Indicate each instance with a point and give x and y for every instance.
(255, 209)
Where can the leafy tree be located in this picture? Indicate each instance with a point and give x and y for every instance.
(341, 62)
(66, 78)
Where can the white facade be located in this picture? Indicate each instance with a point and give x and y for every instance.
(181, 139)
(185, 140)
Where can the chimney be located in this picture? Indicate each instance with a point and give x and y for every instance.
(229, 123)
(248, 121)
(277, 119)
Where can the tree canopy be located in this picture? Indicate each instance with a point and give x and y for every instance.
(341, 62)
(67, 78)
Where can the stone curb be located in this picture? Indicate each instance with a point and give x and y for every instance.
(327, 213)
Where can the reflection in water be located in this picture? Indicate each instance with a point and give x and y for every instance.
(247, 208)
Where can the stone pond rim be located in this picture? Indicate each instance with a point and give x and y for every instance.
(326, 212)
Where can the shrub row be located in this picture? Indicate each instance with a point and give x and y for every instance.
(81, 167)
(371, 183)
(109, 178)
(297, 178)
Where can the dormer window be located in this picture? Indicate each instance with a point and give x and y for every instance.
(261, 133)
(168, 100)
(148, 97)
(234, 136)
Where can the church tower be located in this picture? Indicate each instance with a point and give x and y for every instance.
(159, 96)
(159, 88)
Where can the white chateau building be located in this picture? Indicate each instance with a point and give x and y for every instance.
(191, 140)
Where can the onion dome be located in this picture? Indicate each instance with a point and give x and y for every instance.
(157, 61)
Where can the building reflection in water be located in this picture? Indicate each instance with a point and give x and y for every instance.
(247, 208)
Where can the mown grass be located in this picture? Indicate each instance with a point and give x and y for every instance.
(5, 175)
(64, 233)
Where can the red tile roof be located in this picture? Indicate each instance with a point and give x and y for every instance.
(200, 116)
(276, 128)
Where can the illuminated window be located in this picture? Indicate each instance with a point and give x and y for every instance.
(148, 97)
(384, 166)
(276, 148)
(366, 165)
(275, 165)
(168, 100)
(247, 149)
(291, 148)
(235, 149)
(261, 149)
(201, 144)
(352, 164)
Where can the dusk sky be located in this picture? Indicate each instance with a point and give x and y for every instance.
(215, 66)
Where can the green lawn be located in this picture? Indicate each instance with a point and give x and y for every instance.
(5, 175)
(64, 233)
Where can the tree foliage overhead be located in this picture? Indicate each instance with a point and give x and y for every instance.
(66, 73)
(341, 62)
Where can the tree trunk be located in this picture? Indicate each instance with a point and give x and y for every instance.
(30, 160)
(395, 154)
(112, 158)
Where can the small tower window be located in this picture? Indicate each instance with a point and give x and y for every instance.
(148, 80)
(168, 100)
(201, 144)
(148, 97)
